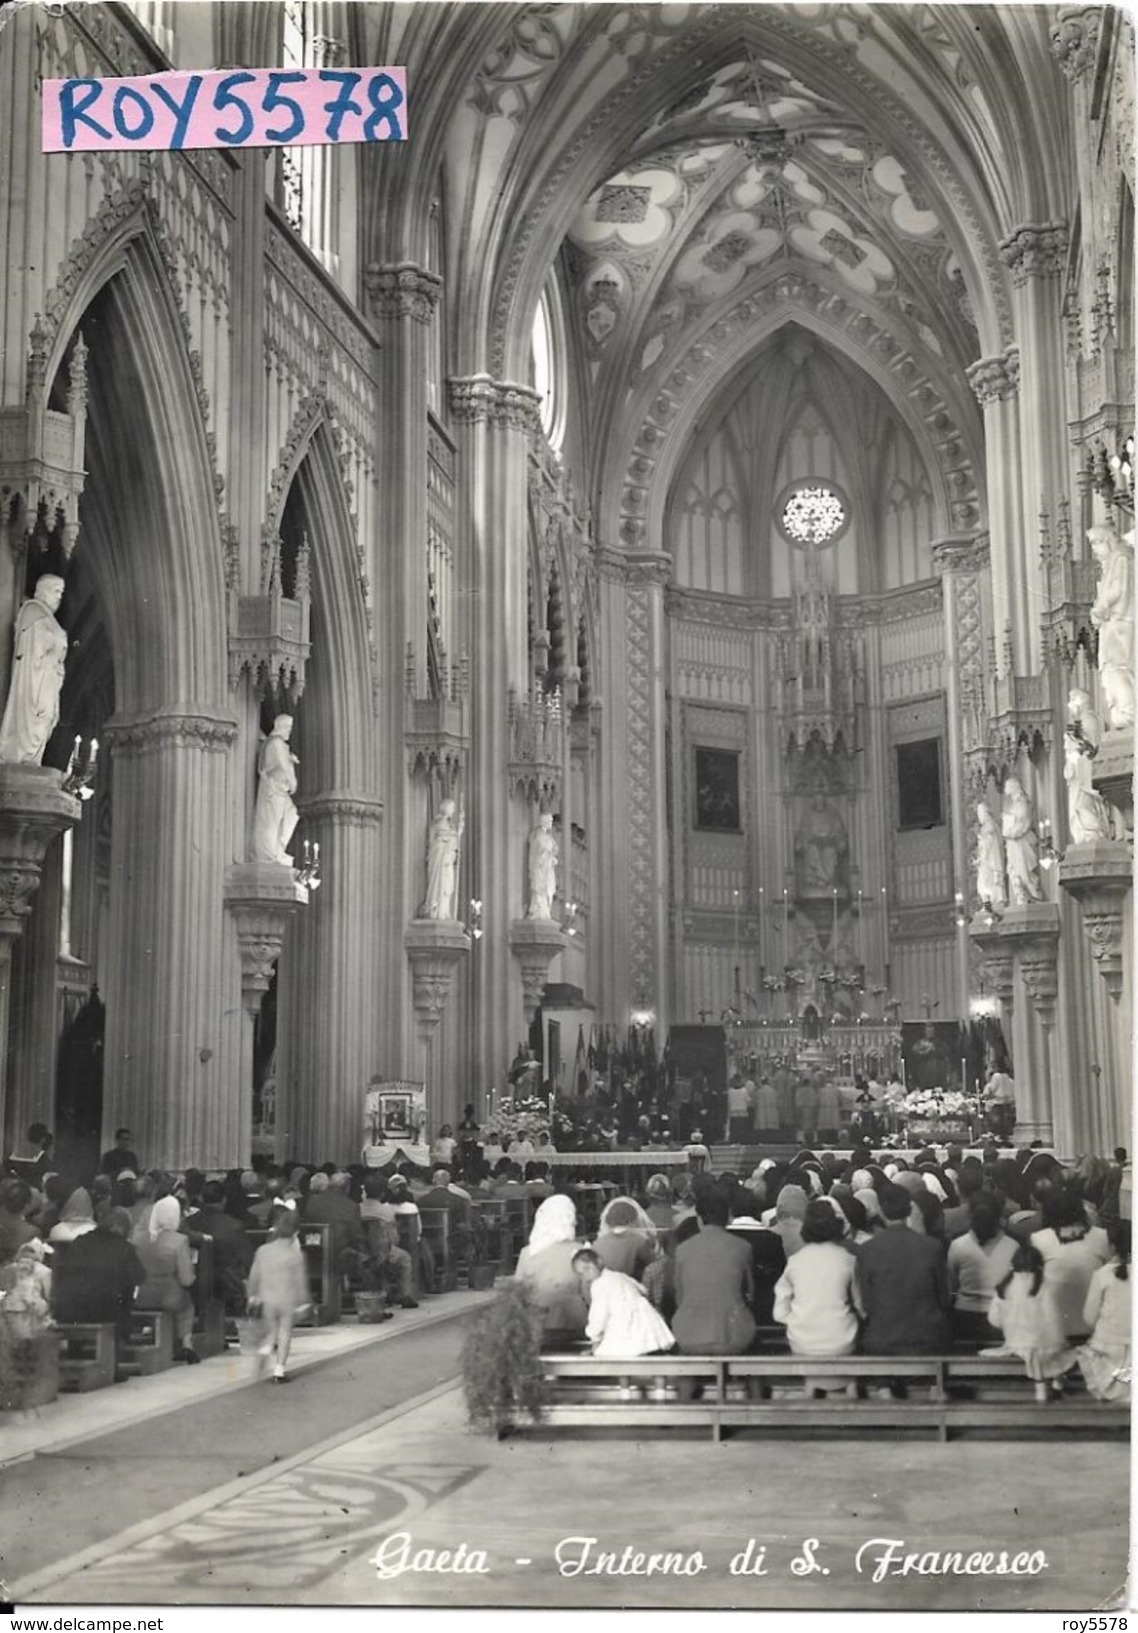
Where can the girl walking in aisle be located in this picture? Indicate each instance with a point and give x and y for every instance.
(278, 1287)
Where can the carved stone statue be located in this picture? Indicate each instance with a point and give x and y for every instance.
(275, 815)
(820, 849)
(1021, 844)
(543, 856)
(1113, 616)
(443, 845)
(1089, 815)
(990, 886)
(40, 649)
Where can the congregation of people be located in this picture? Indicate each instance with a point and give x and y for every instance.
(1016, 1256)
(841, 1253)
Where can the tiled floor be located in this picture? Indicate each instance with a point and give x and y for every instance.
(326, 1526)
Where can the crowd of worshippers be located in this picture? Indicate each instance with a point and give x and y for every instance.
(106, 1246)
(1019, 1257)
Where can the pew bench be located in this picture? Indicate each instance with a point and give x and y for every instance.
(149, 1346)
(87, 1355)
(944, 1394)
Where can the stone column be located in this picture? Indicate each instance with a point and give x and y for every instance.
(33, 810)
(331, 1030)
(493, 423)
(632, 908)
(171, 1066)
(1032, 932)
(261, 897)
(1036, 254)
(435, 948)
(996, 382)
(402, 301)
(959, 561)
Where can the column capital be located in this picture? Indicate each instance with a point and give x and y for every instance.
(625, 567)
(170, 728)
(343, 809)
(504, 404)
(1035, 250)
(402, 290)
(994, 378)
(960, 553)
(1074, 40)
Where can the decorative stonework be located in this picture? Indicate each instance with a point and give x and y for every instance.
(130, 735)
(535, 943)
(960, 553)
(403, 291)
(1074, 40)
(997, 956)
(33, 809)
(640, 790)
(435, 948)
(42, 451)
(500, 403)
(343, 809)
(261, 898)
(869, 334)
(1035, 251)
(1033, 933)
(995, 378)
(1100, 877)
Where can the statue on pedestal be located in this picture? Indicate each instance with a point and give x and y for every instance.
(1089, 816)
(990, 886)
(443, 845)
(543, 855)
(1113, 616)
(820, 849)
(275, 815)
(40, 649)
(1021, 843)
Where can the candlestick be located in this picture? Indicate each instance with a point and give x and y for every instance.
(94, 754)
(315, 850)
(74, 756)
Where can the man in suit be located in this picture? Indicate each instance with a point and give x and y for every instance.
(333, 1206)
(232, 1249)
(902, 1283)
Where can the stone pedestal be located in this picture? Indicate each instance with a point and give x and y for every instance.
(535, 943)
(33, 809)
(1099, 877)
(1034, 933)
(1114, 770)
(1020, 951)
(434, 948)
(260, 897)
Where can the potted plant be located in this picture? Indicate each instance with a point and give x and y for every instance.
(502, 1375)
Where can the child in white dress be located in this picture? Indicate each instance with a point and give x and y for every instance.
(622, 1320)
(1026, 1311)
(1104, 1359)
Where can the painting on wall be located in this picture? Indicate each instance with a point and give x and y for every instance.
(717, 790)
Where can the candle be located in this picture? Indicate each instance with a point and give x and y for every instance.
(316, 850)
(74, 755)
(94, 754)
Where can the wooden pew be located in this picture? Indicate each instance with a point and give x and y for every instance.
(208, 1336)
(149, 1347)
(947, 1394)
(86, 1355)
(436, 1234)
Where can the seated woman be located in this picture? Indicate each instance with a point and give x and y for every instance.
(545, 1265)
(1104, 1359)
(76, 1219)
(768, 1256)
(660, 1276)
(165, 1256)
(1072, 1251)
(816, 1296)
(622, 1322)
(95, 1279)
(978, 1264)
(658, 1202)
(626, 1239)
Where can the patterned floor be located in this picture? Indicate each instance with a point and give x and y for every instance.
(311, 1530)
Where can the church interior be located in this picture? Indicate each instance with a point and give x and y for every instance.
(631, 581)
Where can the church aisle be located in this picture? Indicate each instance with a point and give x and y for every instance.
(214, 1424)
(320, 1529)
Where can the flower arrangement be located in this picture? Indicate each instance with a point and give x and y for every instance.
(502, 1376)
(527, 1118)
(946, 1104)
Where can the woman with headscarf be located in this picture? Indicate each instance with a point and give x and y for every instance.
(871, 1202)
(545, 1266)
(786, 1219)
(77, 1218)
(165, 1256)
(626, 1239)
(658, 1202)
